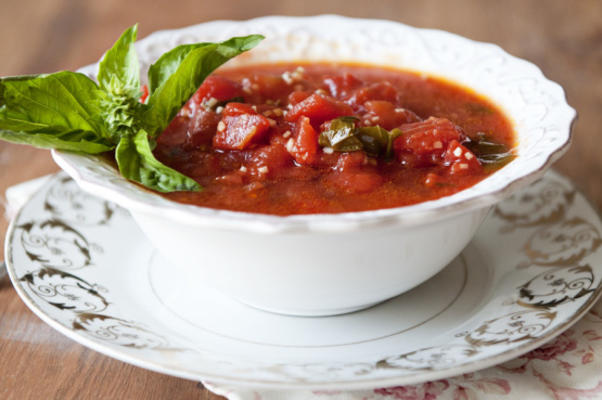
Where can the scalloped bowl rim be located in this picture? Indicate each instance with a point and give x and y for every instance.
(137, 199)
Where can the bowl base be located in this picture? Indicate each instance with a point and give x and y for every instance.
(206, 309)
(328, 312)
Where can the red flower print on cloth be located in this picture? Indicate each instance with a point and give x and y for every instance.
(465, 387)
(425, 391)
(557, 347)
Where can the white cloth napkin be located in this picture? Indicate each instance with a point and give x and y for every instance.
(18, 194)
(567, 368)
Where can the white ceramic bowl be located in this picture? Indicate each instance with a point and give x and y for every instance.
(329, 264)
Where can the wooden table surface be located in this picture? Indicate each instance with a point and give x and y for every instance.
(564, 38)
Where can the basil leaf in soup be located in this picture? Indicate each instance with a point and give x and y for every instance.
(491, 154)
(343, 135)
(373, 139)
(340, 135)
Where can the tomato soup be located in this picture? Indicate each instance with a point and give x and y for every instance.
(289, 139)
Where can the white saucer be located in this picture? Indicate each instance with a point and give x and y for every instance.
(534, 268)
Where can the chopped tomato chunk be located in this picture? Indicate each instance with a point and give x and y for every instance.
(460, 159)
(319, 108)
(341, 86)
(175, 134)
(427, 137)
(354, 174)
(217, 87)
(298, 96)
(352, 160)
(190, 133)
(386, 115)
(269, 161)
(201, 128)
(233, 109)
(376, 91)
(239, 127)
(305, 144)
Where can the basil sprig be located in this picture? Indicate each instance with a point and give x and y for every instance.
(343, 135)
(489, 153)
(69, 111)
(340, 135)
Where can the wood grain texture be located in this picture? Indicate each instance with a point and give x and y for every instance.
(564, 38)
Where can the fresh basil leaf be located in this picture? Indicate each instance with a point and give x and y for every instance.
(61, 102)
(169, 97)
(17, 78)
(120, 114)
(374, 139)
(488, 152)
(340, 135)
(137, 162)
(239, 44)
(85, 142)
(168, 64)
(377, 141)
(119, 71)
(393, 134)
(348, 119)
(483, 145)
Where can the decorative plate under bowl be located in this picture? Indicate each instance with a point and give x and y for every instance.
(81, 264)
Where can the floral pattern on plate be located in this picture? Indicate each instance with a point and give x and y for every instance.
(118, 331)
(544, 202)
(52, 243)
(564, 243)
(65, 291)
(67, 202)
(552, 288)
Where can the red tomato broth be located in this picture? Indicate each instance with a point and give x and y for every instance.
(263, 156)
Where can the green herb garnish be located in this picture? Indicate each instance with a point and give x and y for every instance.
(340, 135)
(378, 141)
(490, 154)
(343, 135)
(69, 111)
